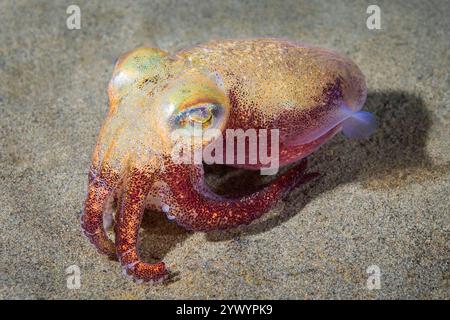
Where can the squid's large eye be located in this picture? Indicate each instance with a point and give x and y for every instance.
(207, 115)
(201, 115)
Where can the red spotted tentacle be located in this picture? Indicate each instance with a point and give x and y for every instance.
(127, 227)
(100, 192)
(194, 206)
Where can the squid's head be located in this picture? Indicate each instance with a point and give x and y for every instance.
(157, 101)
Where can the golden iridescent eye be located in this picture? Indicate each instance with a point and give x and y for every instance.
(200, 115)
(205, 115)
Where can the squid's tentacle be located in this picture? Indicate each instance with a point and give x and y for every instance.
(127, 226)
(198, 208)
(100, 191)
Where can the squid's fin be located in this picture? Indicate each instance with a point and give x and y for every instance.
(360, 124)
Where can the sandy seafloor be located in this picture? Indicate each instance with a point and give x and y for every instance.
(382, 201)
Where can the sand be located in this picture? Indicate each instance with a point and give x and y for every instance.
(382, 201)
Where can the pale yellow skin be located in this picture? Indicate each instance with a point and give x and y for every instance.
(238, 84)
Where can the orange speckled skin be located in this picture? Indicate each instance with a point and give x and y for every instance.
(259, 84)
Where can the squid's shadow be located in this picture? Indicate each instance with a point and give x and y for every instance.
(394, 156)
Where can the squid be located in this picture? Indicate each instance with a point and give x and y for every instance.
(303, 93)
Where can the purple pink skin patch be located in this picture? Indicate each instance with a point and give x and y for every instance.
(307, 93)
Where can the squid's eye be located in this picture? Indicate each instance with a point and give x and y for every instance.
(200, 115)
(205, 115)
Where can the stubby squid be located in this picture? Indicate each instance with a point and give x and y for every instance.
(307, 93)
